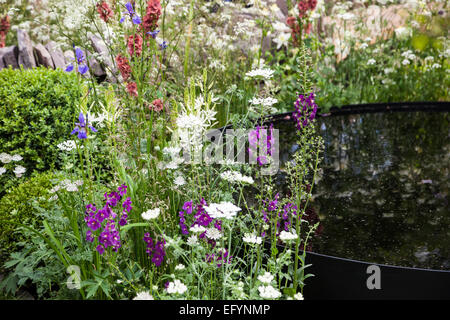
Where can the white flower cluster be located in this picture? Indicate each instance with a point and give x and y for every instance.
(176, 287)
(286, 236)
(66, 184)
(264, 73)
(408, 55)
(180, 267)
(144, 295)
(213, 234)
(225, 210)
(266, 102)
(68, 145)
(234, 176)
(251, 238)
(192, 240)
(266, 278)
(179, 181)
(268, 292)
(6, 158)
(151, 214)
(197, 229)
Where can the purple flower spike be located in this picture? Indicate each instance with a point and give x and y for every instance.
(305, 110)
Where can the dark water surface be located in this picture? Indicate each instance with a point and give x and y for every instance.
(383, 193)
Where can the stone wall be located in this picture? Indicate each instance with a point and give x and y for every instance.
(31, 55)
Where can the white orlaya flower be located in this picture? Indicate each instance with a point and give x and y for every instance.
(268, 292)
(151, 214)
(286, 236)
(225, 210)
(144, 295)
(266, 278)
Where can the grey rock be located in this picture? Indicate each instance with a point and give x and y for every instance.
(26, 55)
(1, 63)
(94, 66)
(9, 56)
(283, 7)
(56, 54)
(101, 48)
(43, 56)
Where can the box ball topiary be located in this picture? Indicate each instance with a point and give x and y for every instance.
(37, 112)
(17, 206)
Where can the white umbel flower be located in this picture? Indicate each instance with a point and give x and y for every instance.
(197, 229)
(286, 236)
(19, 171)
(298, 296)
(268, 292)
(143, 296)
(16, 157)
(236, 177)
(151, 214)
(265, 73)
(2, 170)
(225, 210)
(192, 240)
(5, 158)
(266, 278)
(176, 287)
(179, 181)
(180, 267)
(213, 234)
(251, 238)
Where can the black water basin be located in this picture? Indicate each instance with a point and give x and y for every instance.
(382, 198)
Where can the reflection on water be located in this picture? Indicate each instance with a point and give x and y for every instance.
(383, 192)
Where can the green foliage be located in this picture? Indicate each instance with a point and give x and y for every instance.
(17, 207)
(37, 111)
(393, 77)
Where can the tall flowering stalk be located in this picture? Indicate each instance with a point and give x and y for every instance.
(5, 25)
(300, 24)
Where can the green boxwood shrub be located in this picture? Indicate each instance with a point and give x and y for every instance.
(37, 112)
(17, 206)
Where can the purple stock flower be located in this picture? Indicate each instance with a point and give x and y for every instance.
(79, 57)
(155, 252)
(127, 205)
(100, 249)
(122, 190)
(81, 127)
(105, 217)
(131, 13)
(305, 110)
(89, 236)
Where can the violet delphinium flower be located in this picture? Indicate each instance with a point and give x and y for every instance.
(131, 13)
(82, 66)
(82, 126)
(305, 110)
